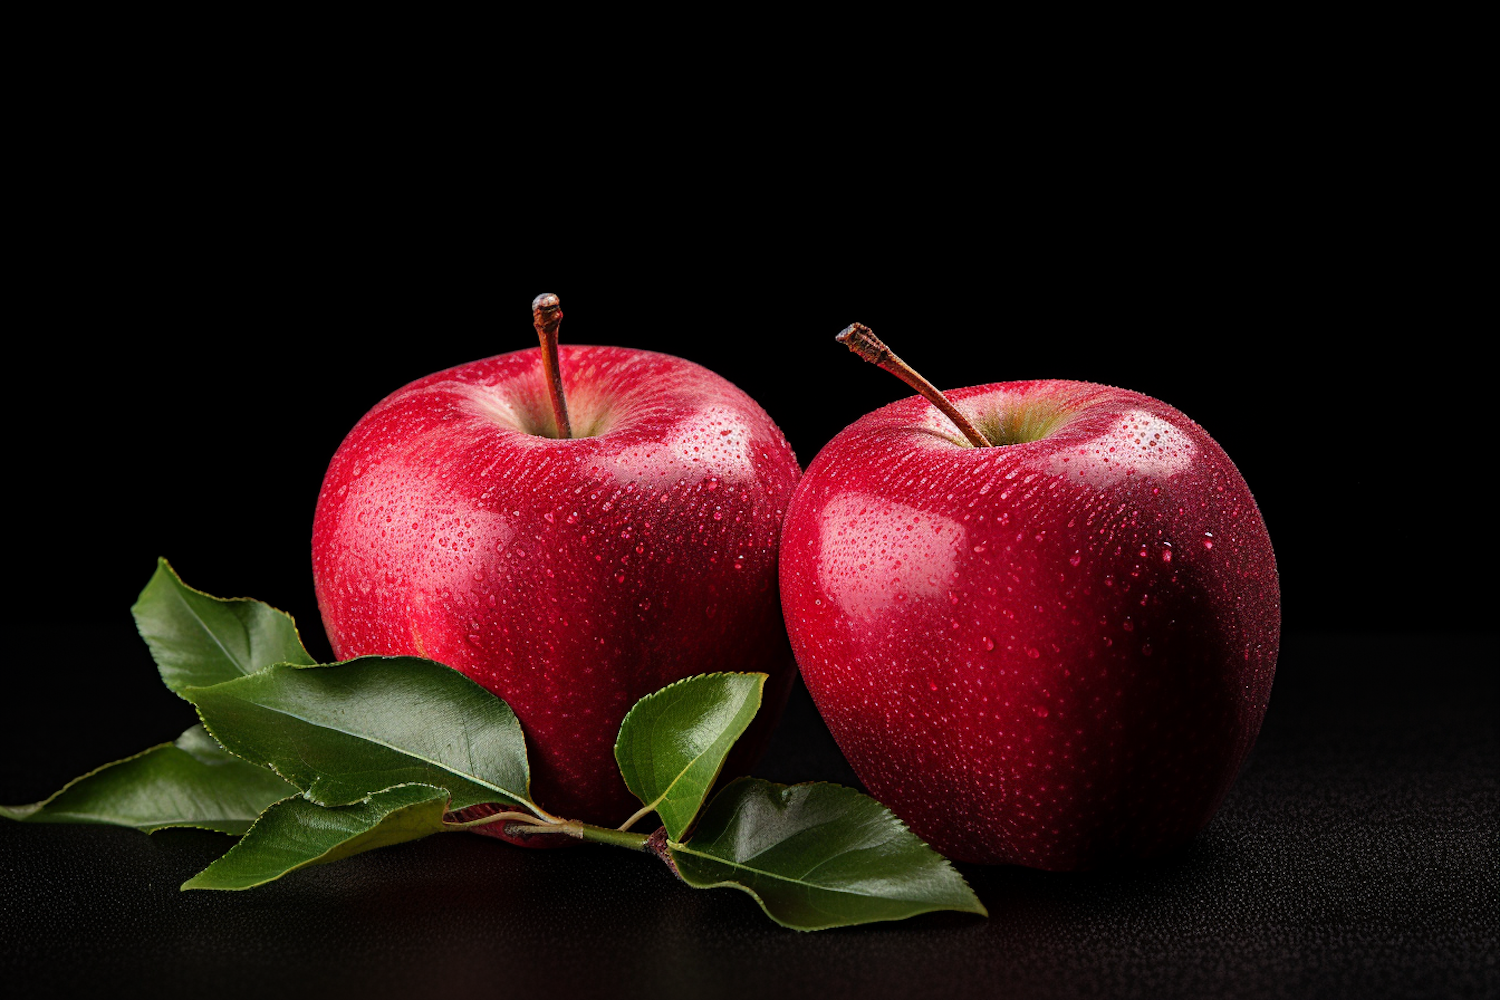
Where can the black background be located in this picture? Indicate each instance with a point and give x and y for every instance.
(209, 296)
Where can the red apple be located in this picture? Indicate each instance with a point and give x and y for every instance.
(1053, 652)
(574, 576)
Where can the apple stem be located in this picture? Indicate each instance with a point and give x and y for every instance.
(862, 341)
(546, 315)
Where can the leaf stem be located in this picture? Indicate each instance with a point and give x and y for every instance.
(637, 816)
(603, 835)
(567, 827)
(546, 316)
(500, 817)
(862, 341)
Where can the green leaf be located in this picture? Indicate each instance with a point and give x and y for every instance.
(191, 782)
(294, 833)
(197, 639)
(817, 856)
(343, 731)
(673, 743)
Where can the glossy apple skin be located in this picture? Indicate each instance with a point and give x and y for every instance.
(569, 577)
(1054, 653)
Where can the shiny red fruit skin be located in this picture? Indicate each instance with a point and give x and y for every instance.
(569, 577)
(1054, 653)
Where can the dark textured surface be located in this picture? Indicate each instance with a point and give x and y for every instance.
(1356, 856)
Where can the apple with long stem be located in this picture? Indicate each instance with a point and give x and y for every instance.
(573, 528)
(1040, 618)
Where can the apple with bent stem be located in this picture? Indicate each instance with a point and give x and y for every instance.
(573, 529)
(1042, 628)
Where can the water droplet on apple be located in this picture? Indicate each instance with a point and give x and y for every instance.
(1166, 553)
(988, 642)
(1041, 711)
(1033, 652)
(1075, 558)
(549, 518)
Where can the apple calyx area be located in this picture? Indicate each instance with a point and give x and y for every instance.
(862, 341)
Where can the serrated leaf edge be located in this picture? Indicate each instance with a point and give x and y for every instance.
(510, 796)
(312, 861)
(730, 884)
(32, 808)
(162, 563)
(683, 680)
